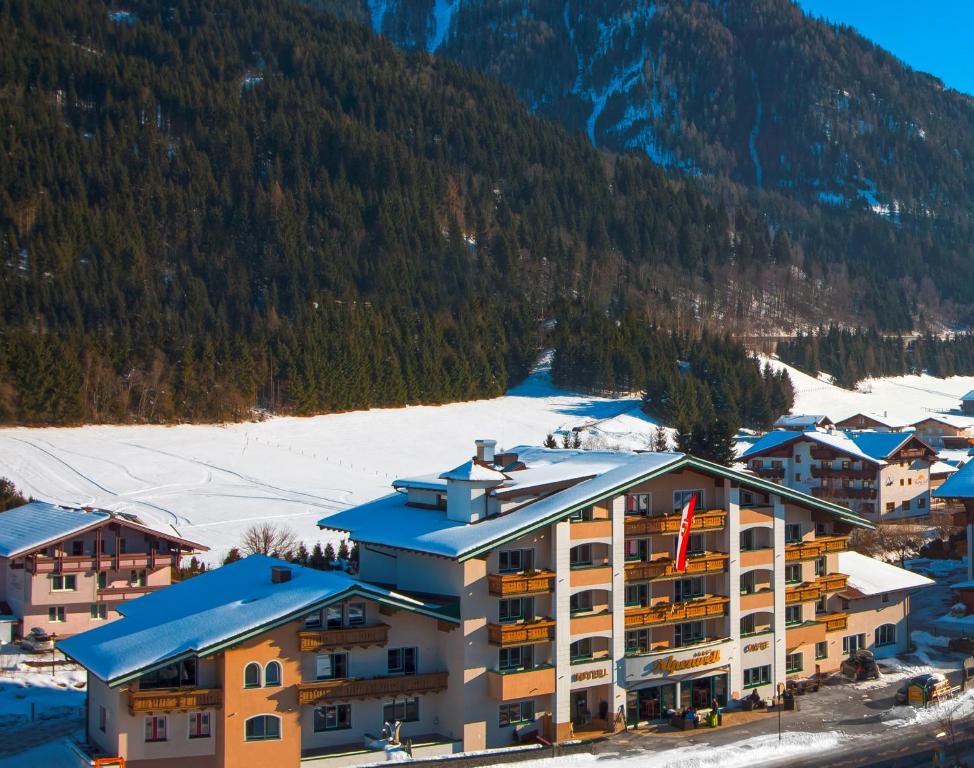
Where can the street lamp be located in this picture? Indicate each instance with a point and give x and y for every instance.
(781, 689)
(53, 637)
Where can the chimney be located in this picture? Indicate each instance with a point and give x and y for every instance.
(485, 451)
(280, 574)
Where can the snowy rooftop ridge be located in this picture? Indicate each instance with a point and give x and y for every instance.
(869, 576)
(959, 485)
(874, 447)
(802, 420)
(35, 524)
(474, 472)
(217, 609)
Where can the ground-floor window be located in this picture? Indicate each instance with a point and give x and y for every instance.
(99, 611)
(822, 650)
(793, 662)
(757, 676)
(516, 712)
(199, 725)
(155, 728)
(405, 711)
(688, 634)
(334, 717)
(55, 614)
(518, 657)
(886, 634)
(852, 643)
(262, 728)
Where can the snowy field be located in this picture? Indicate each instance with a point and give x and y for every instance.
(209, 483)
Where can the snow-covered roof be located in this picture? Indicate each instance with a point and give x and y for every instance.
(391, 522)
(959, 485)
(880, 418)
(216, 609)
(951, 420)
(473, 472)
(38, 523)
(869, 576)
(801, 420)
(968, 396)
(873, 447)
(942, 468)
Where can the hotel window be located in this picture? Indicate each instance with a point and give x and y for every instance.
(402, 661)
(637, 594)
(886, 634)
(180, 674)
(637, 641)
(580, 602)
(518, 657)
(890, 506)
(64, 583)
(515, 560)
(798, 458)
(638, 504)
(581, 650)
(819, 529)
(637, 549)
(747, 624)
(820, 605)
(515, 713)
(747, 583)
(355, 614)
(694, 545)
(331, 666)
(199, 725)
(821, 566)
(793, 533)
(252, 675)
(757, 676)
(793, 614)
(921, 503)
(333, 617)
(906, 505)
(272, 674)
(793, 663)
(687, 589)
(680, 498)
(262, 728)
(102, 719)
(137, 578)
(99, 611)
(852, 643)
(312, 620)
(793, 573)
(55, 614)
(406, 711)
(333, 717)
(155, 728)
(515, 609)
(77, 548)
(580, 556)
(102, 579)
(121, 546)
(822, 650)
(747, 540)
(688, 634)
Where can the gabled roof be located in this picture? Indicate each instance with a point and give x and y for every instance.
(968, 396)
(218, 609)
(801, 420)
(471, 471)
(38, 523)
(951, 420)
(959, 485)
(874, 447)
(879, 418)
(868, 576)
(388, 521)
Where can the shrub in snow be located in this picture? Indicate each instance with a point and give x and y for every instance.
(958, 609)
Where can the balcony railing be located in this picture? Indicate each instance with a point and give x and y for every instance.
(709, 520)
(174, 699)
(707, 607)
(123, 593)
(508, 584)
(349, 637)
(770, 473)
(371, 688)
(838, 492)
(809, 550)
(834, 622)
(80, 563)
(537, 631)
(852, 474)
(834, 582)
(697, 565)
(521, 684)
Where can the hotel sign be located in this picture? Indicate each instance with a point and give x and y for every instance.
(592, 674)
(760, 646)
(672, 664)
(675, 662)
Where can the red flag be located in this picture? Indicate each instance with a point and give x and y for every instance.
(686, 522)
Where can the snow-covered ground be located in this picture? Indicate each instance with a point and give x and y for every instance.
(22, 685)
(210, 482)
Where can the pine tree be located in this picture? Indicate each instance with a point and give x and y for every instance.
(325, 558)
(661, 442)
(232, 556)
(549, 441)
(301, 554)
(317, 558)
(343, 551)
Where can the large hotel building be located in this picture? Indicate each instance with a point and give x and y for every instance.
(531, 592)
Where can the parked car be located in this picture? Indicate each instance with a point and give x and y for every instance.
(861, 665)
(933, 684)
(37, 640)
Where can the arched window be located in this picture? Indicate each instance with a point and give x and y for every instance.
(262, 728)
(886, 634)
(272, 674)
(252, 675)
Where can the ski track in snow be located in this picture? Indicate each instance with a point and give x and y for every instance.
(752, 141)
(442, 16)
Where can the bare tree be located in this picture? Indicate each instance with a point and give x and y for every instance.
(898, 541)
(269, 539)
(943, 525)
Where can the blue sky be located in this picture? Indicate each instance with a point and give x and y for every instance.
(935, 36)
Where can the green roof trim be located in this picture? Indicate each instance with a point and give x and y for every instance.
(686, 462)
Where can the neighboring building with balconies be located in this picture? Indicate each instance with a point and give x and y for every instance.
(532, 592)
(874, 474)
(68, 570)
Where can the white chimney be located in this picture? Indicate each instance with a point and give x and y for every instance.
(485, 451)
(467, 489)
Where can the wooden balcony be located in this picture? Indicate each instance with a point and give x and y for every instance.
(697, 565)
(839, 492)
(835, 622)
(590, 529)
(371, 688)
(510, 686)
(802, 593)
(834, 582)
(710, 520)
(111, 594)
(83, 563)
(770, 473)
(510, 584)
(347, 638)
(809, 550)
(852, 474)
(711, 606)
(538, 631)
(174, 699)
